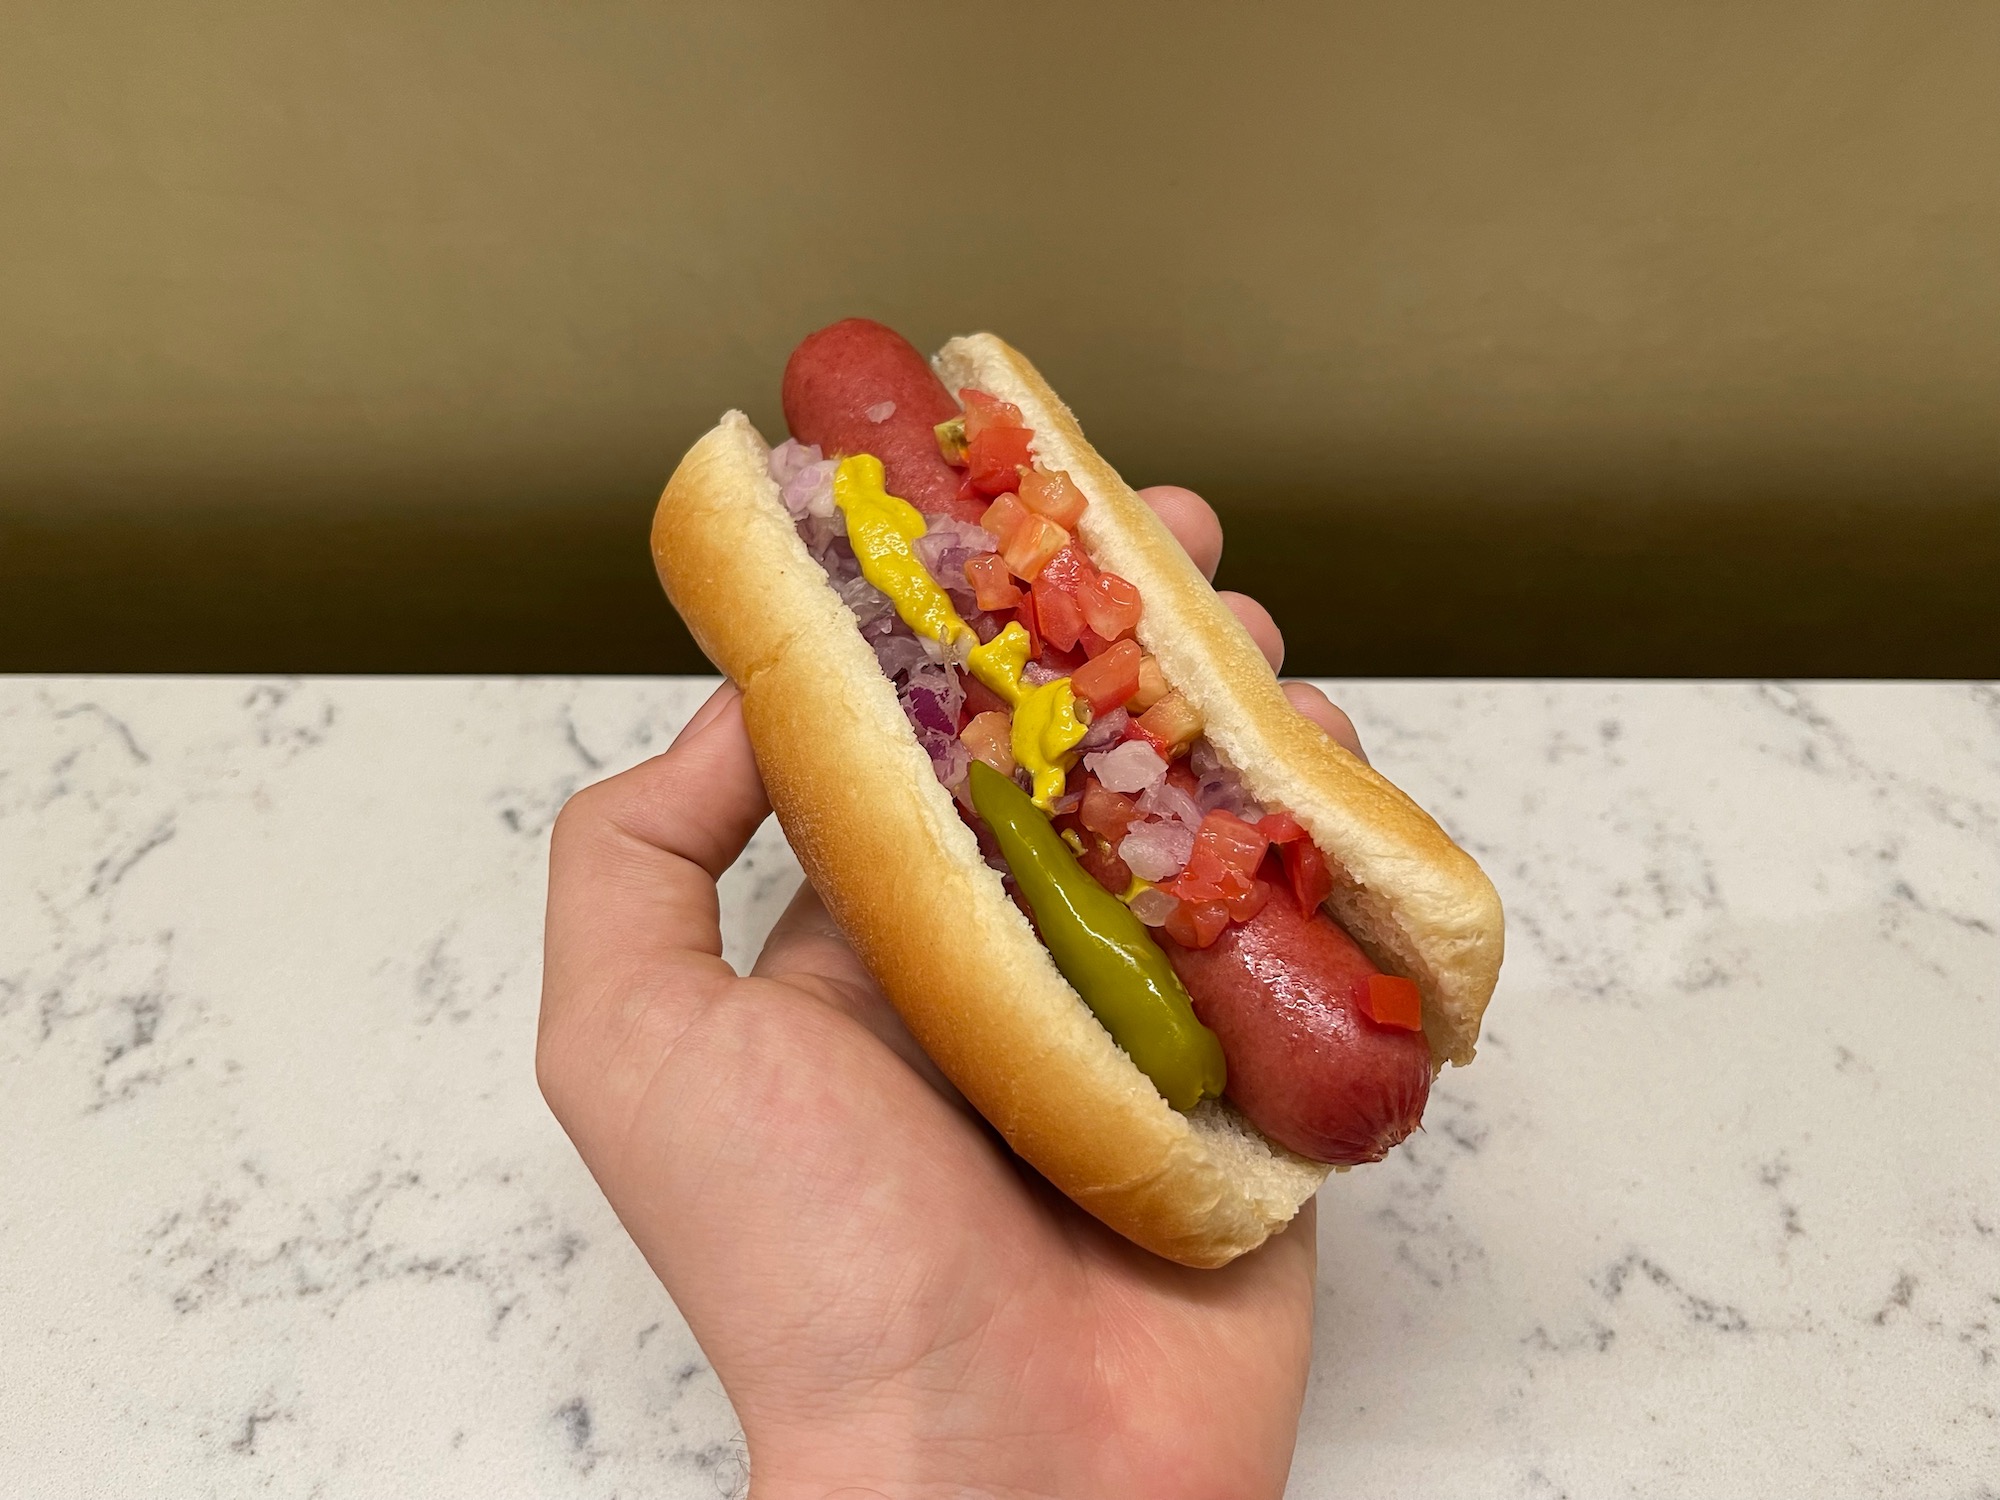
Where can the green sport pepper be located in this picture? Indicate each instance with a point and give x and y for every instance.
(1102, 949)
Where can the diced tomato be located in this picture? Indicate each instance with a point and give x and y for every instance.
(983, 412)
(1024, 615)
(1207, 878)
(1280, 828)
(1173, 721)
(1391, 1000)
(1236, 843)
(1069, 570)
(990, 738)
(1111, 606)
(1242, 908)
(1306, 868)
(1137, 730)
(1034, 542)
(1004, 517)
(967, 490)
(1152, 686)
(1197, 924)
(992, 585)
(1108, 681)
(994, 460)
(1054, 496)
(1197, 882)
(1093, 644)
(1060, 615)
(1105, 813)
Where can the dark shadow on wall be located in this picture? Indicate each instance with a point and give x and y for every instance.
(1423, 585)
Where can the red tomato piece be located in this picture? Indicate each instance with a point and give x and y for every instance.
(1024, 615)
(1054, 496)
(1105, 813)
(1391, 1000)
(1306, 868)
(1172, 722)
(992, 586)
(990, 738)
(1280, 828)
(1198, 882)
(1094, 645)
(1245, 906)
(1111, 606)
(1231, 840)
(1060, 615)
(1109, 680)
(1004, 517)
(1069, 570)
(1136, 730)
(1197, 924)
(994, 460)
(984, 412)
(1034, 542)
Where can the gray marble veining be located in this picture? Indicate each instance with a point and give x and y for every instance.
(1718, 1210)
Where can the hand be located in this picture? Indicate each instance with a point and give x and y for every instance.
(895, 1304)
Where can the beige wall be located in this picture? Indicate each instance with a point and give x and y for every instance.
(490, 253)
(244, 233)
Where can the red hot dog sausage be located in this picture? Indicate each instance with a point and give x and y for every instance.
(1305, 1064)
(858, 387)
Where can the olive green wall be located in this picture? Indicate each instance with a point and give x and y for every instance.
(1510, 338)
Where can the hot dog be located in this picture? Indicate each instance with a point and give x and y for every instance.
(1307, 1066)
(858, 387)
(983, 685)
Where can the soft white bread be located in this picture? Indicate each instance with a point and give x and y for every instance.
(902, 875)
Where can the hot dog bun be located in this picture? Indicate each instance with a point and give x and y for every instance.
(882, 841)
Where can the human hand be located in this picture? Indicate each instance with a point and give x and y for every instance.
(897, 1306)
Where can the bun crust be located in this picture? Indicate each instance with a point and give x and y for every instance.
(898, 868)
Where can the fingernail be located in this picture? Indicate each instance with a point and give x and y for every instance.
(709, 712)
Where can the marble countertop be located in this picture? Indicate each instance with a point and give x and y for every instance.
(1718, 1210)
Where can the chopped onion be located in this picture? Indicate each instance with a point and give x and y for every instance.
(1153, 906)
(1034, 674)
(807, 490)
(1068, 802)
(950, 760)
(900, 654)
(1165, 800)
(1105, 730)
(945, 533)
(1132, 767)
(861, 596)
(789, 457)
(881, 411)
(1157, 851)
(932, 699)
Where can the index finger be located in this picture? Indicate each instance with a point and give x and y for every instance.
(1193, 522)
(633, 919)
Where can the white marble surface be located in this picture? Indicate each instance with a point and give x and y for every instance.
(1718, 1210)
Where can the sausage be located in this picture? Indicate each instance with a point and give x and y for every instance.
(1307, 1066)
(839, 374)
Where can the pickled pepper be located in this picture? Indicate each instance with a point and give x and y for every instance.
(1102, 949)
